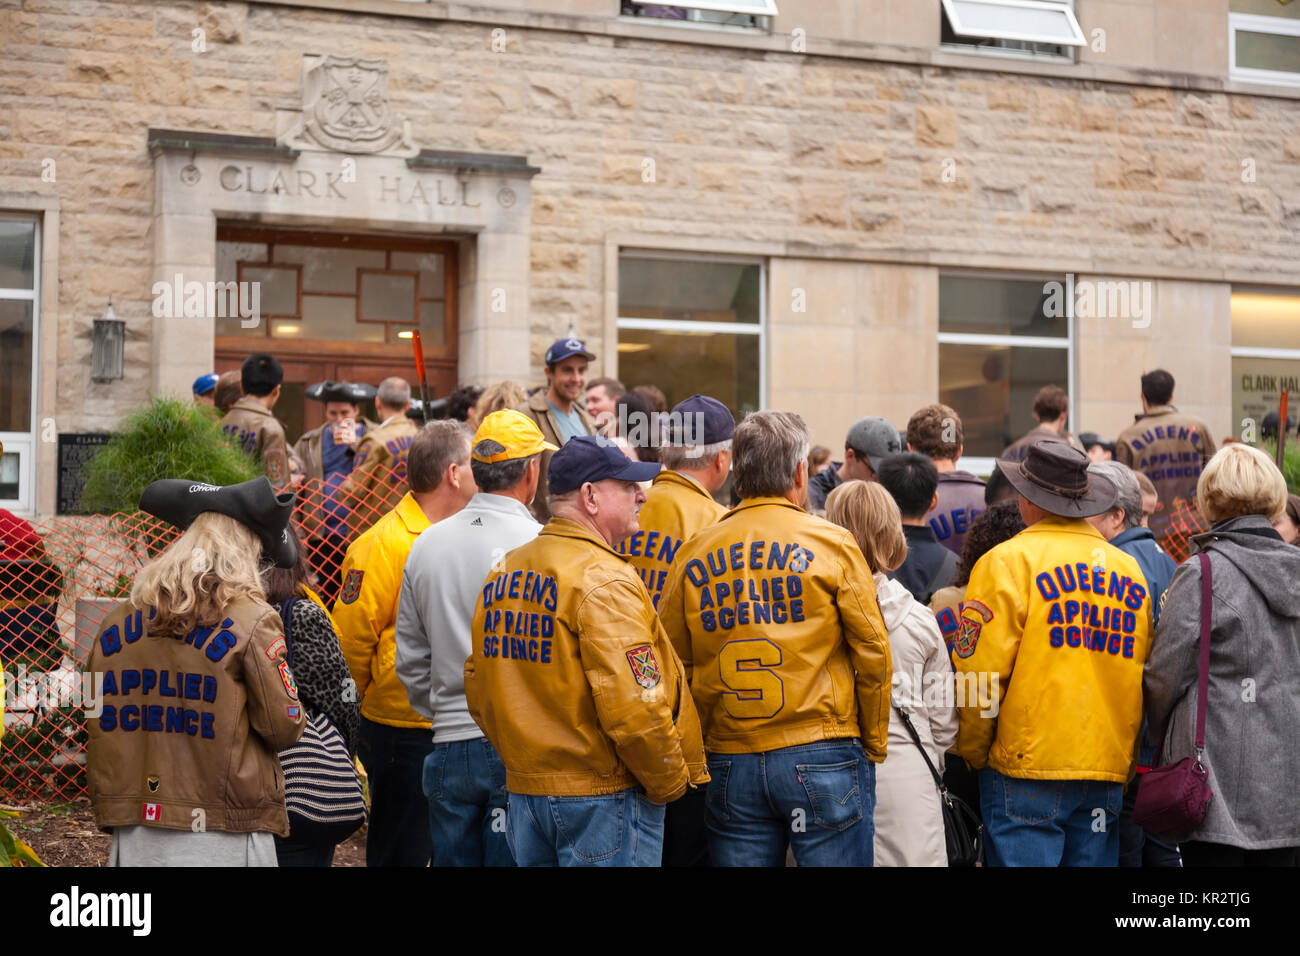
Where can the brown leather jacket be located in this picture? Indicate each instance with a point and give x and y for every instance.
(378, 479)
(540, 412)
(572, 677)
(1170, 448)
(260, 434)
(190, 727)
(1019, 449)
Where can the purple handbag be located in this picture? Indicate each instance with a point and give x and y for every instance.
(1174, 799)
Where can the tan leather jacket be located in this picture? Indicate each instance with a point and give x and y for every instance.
(1170, 448)
(378, 479)
(774, 613)
(191, 726)
(676, 507)
(540, 412)
(572, 678)
(260, 434)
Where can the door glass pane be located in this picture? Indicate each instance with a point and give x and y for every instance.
(723, 365)
(1266, 320)
(16, 324)
(992, 387)
(10, 469)
(388, 296)
(430, 267)
(1268, 51)
(433, 323)
(1002, 306)
(335, 317)
(326, 269)
(17, 254)
(1257, 389)
(278, 288)
(690, 291)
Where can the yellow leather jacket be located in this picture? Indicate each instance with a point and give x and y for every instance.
(365, 613)
(572, 678)
(775, 610)
(1054, 630)
(676, 507)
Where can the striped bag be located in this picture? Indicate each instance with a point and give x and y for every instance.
(322, 792)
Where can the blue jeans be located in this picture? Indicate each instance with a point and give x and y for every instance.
(465, 782)
(399, 813)
(820, 799)
(617, 829)
(1050, 822)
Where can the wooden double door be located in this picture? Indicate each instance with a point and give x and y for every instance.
(339, 307)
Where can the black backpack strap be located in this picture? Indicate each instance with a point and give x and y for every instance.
(286, 615)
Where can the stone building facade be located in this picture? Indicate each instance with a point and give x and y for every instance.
(857, 216)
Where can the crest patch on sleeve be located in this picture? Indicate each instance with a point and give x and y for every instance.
(645, 667)
(351, 586)
(276, 647)
(290, 684)
(974, 615)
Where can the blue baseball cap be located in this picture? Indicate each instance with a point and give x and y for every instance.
(709, 423)
(593, 458)
(205, 383)
(567, 348)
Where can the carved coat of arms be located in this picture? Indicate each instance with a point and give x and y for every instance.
(346, 108)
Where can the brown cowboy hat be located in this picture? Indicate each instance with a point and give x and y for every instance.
(1055, 477)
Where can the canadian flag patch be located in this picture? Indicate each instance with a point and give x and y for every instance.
(152, 811)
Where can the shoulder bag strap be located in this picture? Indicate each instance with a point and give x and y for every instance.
(1203, 666)
(286, 615)
(916, 739)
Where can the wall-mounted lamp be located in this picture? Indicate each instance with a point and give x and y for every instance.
(109, 344)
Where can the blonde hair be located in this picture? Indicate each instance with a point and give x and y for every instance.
(190, 584)
(1240, 480)
(507, 394)
(871, 515)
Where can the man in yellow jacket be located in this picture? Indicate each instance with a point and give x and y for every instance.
(394, 739)
(1055, 630)
(573, 681)
(696, 460)
(774, 614)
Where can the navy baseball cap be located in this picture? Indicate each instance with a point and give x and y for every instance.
(717, 421)
(567, 348)
(205, 383)
(593, 458)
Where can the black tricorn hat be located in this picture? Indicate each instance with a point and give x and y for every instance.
(1055, 477)
(254, 504)
(353, 392)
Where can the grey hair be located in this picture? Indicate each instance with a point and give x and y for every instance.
(437, 446)
(394, 392)
(692, 457)
(767, 449)
(1129, 496)
(497, 475)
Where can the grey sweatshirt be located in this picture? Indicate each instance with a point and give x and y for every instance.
(1253, 712)
(444, 574)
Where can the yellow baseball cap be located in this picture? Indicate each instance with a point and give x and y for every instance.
(516, 433)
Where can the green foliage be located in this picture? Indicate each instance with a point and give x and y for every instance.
(13, 851)
(167, 438)
(1290, 463)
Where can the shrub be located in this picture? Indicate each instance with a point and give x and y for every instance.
(168, 438)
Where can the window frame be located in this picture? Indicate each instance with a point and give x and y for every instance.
(714, 6)
(24, 443)
(984, 465)
(758, 328)
(1258, 351)
(1255, 23)
(948, 13)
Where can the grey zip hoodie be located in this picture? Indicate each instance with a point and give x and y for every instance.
(1253, 712)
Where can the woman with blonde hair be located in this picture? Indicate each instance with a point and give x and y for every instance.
(909, 818)
(1252, 703)
(506, 394)
(198, 697)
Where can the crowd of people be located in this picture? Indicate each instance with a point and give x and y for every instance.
(570, 645)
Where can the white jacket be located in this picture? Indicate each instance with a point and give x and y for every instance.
(909, 821)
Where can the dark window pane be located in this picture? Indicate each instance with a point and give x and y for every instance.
(992, 387)
(16, 324)
(725, 366)
(1268, 51)
(387, 296)
(10, 471)
(17, 254)
(691, 291)
(1002, 306)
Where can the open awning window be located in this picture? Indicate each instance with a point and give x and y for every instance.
(760, 8)
(1030, 21)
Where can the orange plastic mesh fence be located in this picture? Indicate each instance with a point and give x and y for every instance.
(52, 600)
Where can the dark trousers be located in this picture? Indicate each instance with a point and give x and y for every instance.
(1137, 847)
(1196, 853)
(686, 837)
(299, 852)
(399, 811)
